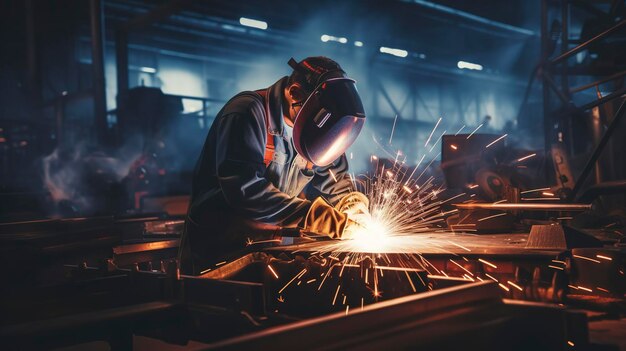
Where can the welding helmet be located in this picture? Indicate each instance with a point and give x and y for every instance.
(330, 118)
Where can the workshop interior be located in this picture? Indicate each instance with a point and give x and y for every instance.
(485, 143)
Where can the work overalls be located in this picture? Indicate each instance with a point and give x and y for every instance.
(246, 188)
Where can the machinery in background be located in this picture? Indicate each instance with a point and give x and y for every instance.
(147, 120)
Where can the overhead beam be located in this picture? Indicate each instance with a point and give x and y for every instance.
(471, 17)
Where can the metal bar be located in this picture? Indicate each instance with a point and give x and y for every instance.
(548, 79)
(525, 207)
(97, 64)
(598, 82)
(335, 331)
(564, 45)
(604, 188)
(142, 247)
(472, 17)
(604, 99)
(584, 45)
(547, 118)
(598, 150)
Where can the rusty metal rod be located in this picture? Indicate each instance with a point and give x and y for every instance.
(616, 94)
(584, 45)
(598, 82)
(525, 207)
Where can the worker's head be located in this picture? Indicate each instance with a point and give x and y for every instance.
(324, 108)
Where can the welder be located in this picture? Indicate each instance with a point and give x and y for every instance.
(274, 162)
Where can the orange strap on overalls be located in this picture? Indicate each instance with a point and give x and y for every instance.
(270, 148)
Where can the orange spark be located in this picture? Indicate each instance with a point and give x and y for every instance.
(492, 278)
(463, 268)
(292, 279)
(526, 157)
(336, 293)
(494, 216)
(534, 190)
(273, 271)
(495, 141)
(410, 281)
(515, 285)
(332, 175)
(474, 131)
(487, 263)
(586, 258)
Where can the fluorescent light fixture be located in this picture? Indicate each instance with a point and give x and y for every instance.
(326, 38)
(358, 43)
(147, 69)
(249, 22)
(394, 52)
(469, 65)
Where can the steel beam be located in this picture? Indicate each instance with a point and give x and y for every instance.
(472, 18)
(584, 45)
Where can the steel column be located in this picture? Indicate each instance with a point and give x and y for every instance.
(547, 119)
(598, 150)
(97, 64)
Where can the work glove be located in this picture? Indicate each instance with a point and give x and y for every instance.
(356, 206)
(324, 219)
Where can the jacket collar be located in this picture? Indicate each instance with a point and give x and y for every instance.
(274, 107)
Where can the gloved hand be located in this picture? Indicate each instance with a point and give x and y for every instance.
(324, 219)
(356, 206)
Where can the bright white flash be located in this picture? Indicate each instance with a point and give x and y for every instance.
(371, 237)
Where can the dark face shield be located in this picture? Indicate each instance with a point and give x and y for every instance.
(329, 121)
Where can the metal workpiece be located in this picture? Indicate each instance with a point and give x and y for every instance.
(468, 312)
(549, 207)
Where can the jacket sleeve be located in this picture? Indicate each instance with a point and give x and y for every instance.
(331, 182)
(240, 171)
